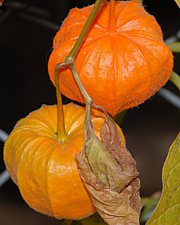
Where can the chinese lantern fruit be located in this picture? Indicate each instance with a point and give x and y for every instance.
(123, 60)
(44, 168)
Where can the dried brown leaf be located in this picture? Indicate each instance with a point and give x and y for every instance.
(110, 176)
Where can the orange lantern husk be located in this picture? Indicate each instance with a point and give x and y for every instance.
(123, 60)
(44, 168)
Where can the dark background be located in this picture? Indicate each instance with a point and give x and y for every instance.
(25, 45)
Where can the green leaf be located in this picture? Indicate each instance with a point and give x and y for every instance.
(177, 2)
(167, 211)
(149, 203)
(174, 46)
(175, 79)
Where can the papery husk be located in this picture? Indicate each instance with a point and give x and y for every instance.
(109, 173)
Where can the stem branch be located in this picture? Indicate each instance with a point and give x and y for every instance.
(69, 62)
(74, 51)
(61, 132)
(80, 85)
(86, 96)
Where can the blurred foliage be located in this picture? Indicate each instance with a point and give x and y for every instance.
(175, 78)
(149, 203)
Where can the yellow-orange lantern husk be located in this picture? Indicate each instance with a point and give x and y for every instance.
(121, 63)
(44, 168)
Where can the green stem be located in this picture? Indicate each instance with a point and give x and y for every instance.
(85, 95)
(87, 121)
(175, 79)
(80, 85)
(74, 51)
(61, 132)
